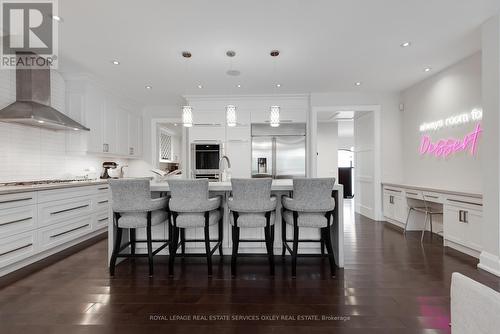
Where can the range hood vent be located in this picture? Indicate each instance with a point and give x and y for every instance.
(32, 106)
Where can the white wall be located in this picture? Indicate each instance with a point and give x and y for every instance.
(453, 91)
(327, 150)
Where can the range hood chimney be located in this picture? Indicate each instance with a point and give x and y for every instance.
(32, 106)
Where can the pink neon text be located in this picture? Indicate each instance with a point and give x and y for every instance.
(443, 148)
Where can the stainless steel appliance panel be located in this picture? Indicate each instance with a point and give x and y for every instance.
(262, 147)
(290, 157)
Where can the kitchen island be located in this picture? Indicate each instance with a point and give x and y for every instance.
(279, 187)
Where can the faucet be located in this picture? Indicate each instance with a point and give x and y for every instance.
(122, 173)
(222, 170)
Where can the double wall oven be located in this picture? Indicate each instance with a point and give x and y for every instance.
(205, 159)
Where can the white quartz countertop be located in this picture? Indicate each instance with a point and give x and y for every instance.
(430, 189)
(278, 185)
(39, 187)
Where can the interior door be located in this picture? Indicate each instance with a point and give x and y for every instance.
(262, 147)
(290, 156)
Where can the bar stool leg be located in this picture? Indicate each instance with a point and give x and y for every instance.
(114, 255)
(173, 246)
(132, 241)
(236, 241)
(295, 249)
(183, 241)
(220, 237)
(269, 244)
(283, 235)
(331, 256)
(425, 225)
(430, 221)
(150, 245)
(207, 244)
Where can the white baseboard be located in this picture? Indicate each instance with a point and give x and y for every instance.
(490, 263)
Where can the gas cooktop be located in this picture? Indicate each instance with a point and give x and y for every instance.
(42, 182)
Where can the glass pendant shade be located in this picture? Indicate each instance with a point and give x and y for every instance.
(274, 116)
(231, 115)
(187, 116)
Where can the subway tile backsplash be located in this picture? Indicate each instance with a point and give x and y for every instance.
(29, 153)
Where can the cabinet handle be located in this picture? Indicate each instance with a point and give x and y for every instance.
(464, 202)
(16, 249)
(103, 188)
(102, 202)
(70, 209)
(131, 151)
(105, 148)
(463, 216)
(396, 191)
(102, 219)
(391, 199)
(68, 231)
(16, 200)
(16, 221)
(415, 194)
(431, 196)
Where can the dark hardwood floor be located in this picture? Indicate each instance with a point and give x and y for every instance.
(389, 285)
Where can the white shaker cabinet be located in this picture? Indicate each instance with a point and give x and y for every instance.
(114, 129)
(239, 151)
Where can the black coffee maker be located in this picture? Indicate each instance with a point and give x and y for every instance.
(107, 165)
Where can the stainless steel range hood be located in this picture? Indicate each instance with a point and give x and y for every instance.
(32, 106)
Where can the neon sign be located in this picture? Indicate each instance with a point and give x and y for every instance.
(475, 114)
(443, 148)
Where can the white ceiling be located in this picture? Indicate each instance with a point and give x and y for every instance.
(326, 45)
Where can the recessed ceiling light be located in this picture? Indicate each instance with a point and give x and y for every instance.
(57, 18)
(41, 122)
(76, 129)
(358, 83)
(238, 85)
(405, 44)
(278, 85)
(427, 69)
(200, 86)
(149, 87)
(115, 62)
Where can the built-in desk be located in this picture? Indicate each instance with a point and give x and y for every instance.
(462, 213)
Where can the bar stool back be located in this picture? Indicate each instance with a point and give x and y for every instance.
(312, 205)
(252, 206)
(133, 208)
(191, 207)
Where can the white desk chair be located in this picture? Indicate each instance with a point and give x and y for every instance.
(425, 209)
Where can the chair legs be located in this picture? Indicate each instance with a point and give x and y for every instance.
(173, 246)
(236, 242)
(150, 247)
(221, 236)
(183, 241)
(425, 226)
(407, 220)
(283, 235)
(116, 250)
(269, 236)
(208, 250)
(295, 249)
(331, 257)
(132, 241)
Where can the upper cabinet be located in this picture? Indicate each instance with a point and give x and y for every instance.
(114, 129)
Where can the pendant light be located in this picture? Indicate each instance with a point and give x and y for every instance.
(231, 115)
(274, 111)
(274, 116)
(187, 110)
(230, 109)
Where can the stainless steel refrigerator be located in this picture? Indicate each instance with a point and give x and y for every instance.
(279, 152)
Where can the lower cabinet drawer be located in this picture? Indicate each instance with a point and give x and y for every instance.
(17, 220)
(60, 233)
(17, 247)
(102, 220)
(463, 226)
(53, 212)
(101, 202)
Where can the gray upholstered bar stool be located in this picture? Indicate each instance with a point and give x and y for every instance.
(312, 205)
(426, 209)
(133, 208)
(252, 206)
(191, 207)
